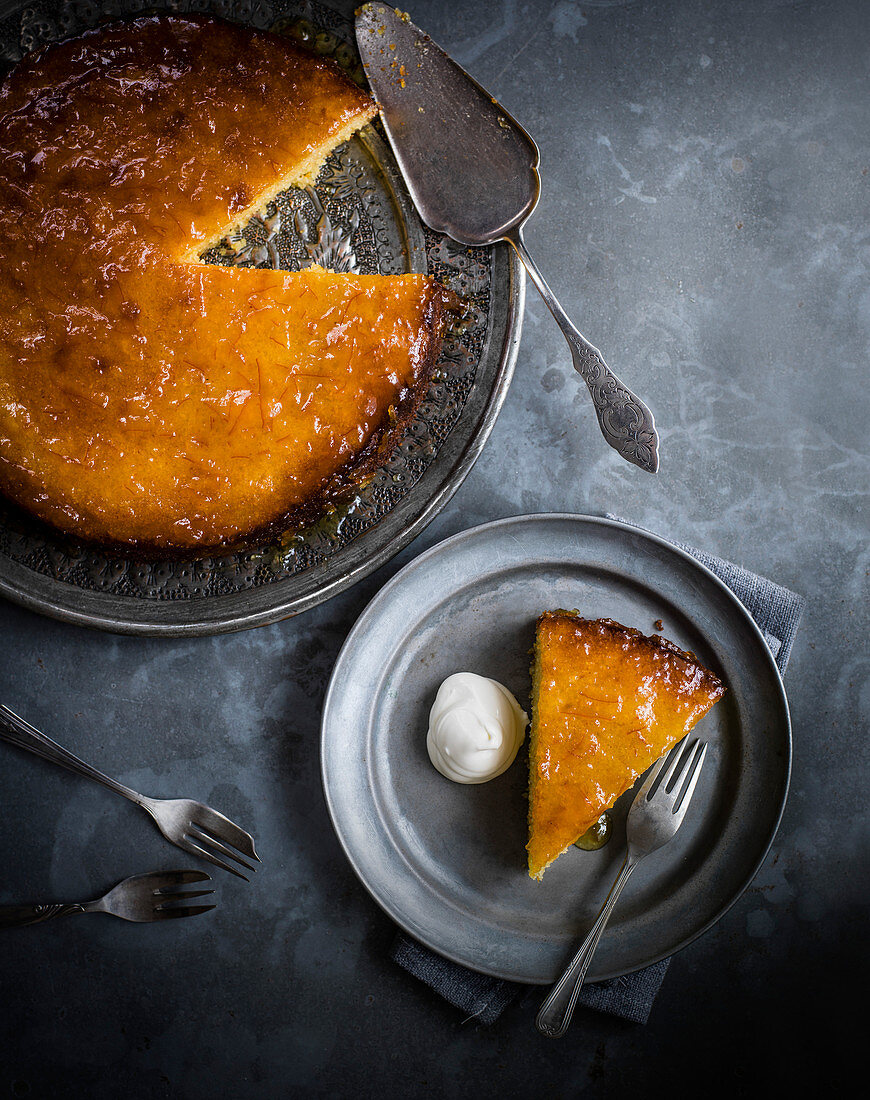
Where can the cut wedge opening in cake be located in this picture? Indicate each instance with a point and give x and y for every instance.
(149, 401)
(607, 702)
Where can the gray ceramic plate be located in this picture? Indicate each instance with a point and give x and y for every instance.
(447, 862)
(357, 217)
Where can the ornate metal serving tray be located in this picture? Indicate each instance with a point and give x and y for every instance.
(357, 217)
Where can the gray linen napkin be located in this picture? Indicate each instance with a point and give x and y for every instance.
(777, 611)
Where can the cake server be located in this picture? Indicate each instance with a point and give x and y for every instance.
(472, 171)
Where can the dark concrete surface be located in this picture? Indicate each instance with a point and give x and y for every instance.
(705, 218)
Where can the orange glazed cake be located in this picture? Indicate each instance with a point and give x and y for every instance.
(148, 401)
(607, 702)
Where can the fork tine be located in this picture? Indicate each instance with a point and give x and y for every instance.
(226, 830)
(204, 836)
(654, 784)
(172, 901)
(188, 911)
(678, 757)
(187, 844)
(161, 883)
(652, 776)
(699, 751)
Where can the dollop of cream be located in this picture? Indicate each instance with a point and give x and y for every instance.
(476, 727)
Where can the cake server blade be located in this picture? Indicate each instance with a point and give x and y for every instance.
(472, 172)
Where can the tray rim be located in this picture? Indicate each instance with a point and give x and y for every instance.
(370, 611)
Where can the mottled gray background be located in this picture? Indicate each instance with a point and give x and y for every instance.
(705, 218)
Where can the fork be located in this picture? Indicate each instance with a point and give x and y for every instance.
(196, 828)
(154, 896)
(655, 815)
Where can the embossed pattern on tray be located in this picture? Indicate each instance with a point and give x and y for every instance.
(357, 218)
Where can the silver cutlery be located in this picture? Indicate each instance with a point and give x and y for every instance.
(196, 828)
(655, 815)
(472, 171)
(154, 896)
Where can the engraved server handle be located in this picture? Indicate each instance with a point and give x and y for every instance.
(558, 1008)
(18, 732)
(18, 916)
(625, 421)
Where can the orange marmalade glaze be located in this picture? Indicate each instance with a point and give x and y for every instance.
(608, 702)
(149, 401)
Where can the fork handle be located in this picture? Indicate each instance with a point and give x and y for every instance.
(558, 1008)
(17, 916)
(18, 732)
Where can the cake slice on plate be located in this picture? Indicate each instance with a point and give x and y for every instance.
(607, 702)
